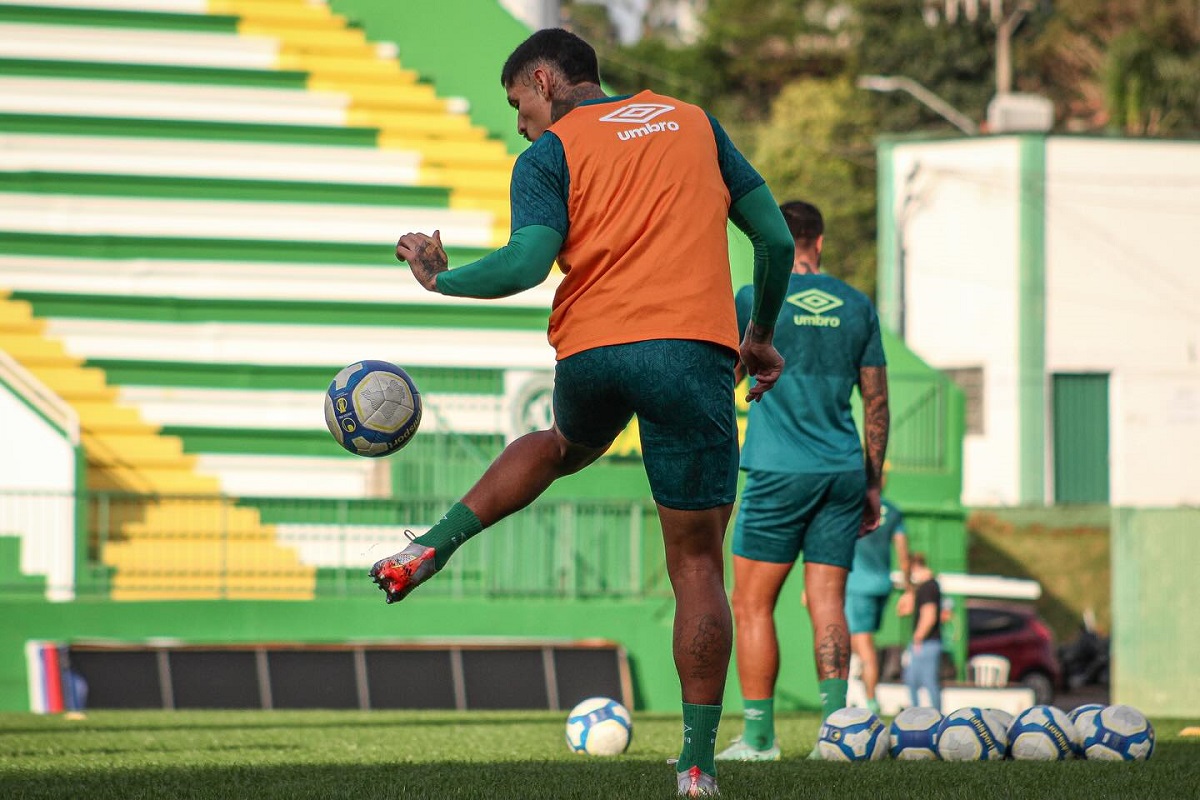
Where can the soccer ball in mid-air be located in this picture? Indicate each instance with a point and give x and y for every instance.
(372, 408)
(599, 726)
(913, 735)
(852, 734)
(969, 734)
(1117, 733)
(1080, 717)
(1042, 733)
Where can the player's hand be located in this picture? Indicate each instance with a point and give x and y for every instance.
(871, 511)
(425, 256)
(761, 360)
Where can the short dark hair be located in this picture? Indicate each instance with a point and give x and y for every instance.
(804, 220)
(572, 56)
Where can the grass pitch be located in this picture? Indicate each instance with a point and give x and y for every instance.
(287, 755)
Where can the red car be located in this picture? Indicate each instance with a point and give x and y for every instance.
(1015, 631)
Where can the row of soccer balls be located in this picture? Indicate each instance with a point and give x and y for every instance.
(1040, 733)
(601, 726)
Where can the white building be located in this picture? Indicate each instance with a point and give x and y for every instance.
(1058, 279)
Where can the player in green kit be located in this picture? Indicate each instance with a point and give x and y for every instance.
(810, 487)
(870, 585)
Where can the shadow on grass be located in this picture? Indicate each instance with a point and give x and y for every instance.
(1174, 772)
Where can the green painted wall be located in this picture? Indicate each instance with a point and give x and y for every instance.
(460, 46)
(1155, 648)
(1031, 320)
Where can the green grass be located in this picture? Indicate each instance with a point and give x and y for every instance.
(320, 754)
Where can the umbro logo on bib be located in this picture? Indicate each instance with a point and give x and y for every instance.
(637, 113)
(641, 114)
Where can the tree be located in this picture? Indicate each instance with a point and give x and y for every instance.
(816, 146)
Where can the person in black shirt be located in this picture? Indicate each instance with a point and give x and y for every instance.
(925, 651)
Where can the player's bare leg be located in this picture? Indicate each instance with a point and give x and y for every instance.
(756, 587)
(863, 646)
(703, 631)
(825, 586)
(514, 480)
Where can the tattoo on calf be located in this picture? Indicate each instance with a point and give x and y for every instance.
(708, 647)
(833, 653)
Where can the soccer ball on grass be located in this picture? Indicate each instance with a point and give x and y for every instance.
(913, 734)
(1042, 733)
(852, 734)
(969, 734)
(1118, 733)
(599, 726)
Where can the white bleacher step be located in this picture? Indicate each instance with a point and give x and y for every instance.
(174, 101)
(211, 219)
(277, 409)
(294, 476)
(329, 345)
(164, 6)
(239, 280)
(116, 155)
(333, 546)
(136, 46)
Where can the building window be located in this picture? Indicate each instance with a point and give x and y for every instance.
(970, 380)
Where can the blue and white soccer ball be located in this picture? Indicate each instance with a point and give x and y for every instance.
(1117, 733)
(1080, 717)
(1042, 733)
(913, 734)
(599, 726)
(852, 734)
(969, 734)
(372, 408)
(999, 719)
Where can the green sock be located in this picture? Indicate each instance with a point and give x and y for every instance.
(699, 738)
(833, 695)
(760, 723)
(459, 524)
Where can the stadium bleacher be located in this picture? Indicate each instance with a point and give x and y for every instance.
(198, 203)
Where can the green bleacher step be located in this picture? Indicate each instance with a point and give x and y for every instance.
(118, 18)
(156, 73)
(188, 188)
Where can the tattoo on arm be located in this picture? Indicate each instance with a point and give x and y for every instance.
(872, 382)
(833, 652)
(428, 264)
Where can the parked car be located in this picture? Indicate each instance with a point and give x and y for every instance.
(1015, 631)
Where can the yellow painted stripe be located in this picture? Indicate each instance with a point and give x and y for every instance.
(395, 95)
(447, 127)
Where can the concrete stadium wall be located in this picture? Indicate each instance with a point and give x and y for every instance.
(957, 210)
(1033, 257)
(40, 465)
(1121, 294)
(1155, 649)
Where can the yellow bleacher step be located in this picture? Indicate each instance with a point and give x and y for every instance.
(443, 153)
(254, 588)
(386, 93)
(155, 481)
(135, 449)
(364, 68)
(346, 41)
(440, 127)
(200, 519)
(190, 556)
(109, 418)
(32, 347)
(292, 15)
(75, 383)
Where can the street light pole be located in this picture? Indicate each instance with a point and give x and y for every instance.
(894, 83)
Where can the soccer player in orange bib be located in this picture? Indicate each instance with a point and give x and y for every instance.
(631, 195)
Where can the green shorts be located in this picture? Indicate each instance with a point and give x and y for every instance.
(682, 394)
(783, 513)
(864, 612)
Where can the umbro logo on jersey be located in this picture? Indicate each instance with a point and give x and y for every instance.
(818, 304)
(641, 114)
